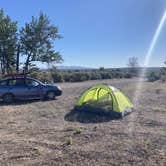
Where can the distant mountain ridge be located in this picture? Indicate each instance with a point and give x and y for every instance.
(63, 67)
(73, 68)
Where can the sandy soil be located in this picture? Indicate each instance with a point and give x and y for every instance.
(50, 133)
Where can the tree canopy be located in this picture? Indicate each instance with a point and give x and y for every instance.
(8, 42)
(34, 42)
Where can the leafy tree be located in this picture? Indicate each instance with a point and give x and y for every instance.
(37, 41)
(8, 42)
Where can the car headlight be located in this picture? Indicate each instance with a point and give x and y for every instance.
(59, 87)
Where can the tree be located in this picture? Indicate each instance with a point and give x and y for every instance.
(8, 42)
(101, 68)
(133, 65)
(18, 58)
(133, 62)
(37, 41)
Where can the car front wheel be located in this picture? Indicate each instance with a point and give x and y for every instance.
(50, 95)
(8, 98)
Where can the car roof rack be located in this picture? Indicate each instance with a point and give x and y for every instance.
(15, 75)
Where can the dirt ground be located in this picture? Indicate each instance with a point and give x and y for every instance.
(50, 133)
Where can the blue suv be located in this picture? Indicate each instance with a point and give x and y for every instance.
(26, 88)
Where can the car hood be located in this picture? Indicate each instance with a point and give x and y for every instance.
(52, 86)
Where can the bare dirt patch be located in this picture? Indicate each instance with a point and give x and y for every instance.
(42, 133)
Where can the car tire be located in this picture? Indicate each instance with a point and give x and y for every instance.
(50, 95)
(8, 98)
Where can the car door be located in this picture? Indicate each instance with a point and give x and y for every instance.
(3, 87)
(17, 88)
(34, 88)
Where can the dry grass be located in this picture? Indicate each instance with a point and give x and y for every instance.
(38, 133)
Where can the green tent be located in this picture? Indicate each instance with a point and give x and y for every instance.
(105, 98)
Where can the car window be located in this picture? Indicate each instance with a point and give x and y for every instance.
(3, 83)
(31, 82)
(16, 82)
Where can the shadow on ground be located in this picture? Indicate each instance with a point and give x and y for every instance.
(22, 102)
(89, 116)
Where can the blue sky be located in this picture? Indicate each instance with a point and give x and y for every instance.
(98, 32)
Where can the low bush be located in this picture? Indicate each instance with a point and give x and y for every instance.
(153, 76)
(78, 75)
(54, 75)
(163, 74)
(69, 140)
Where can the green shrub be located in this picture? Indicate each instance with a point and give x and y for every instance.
(57, 77)
(78, 130)
(128, 75)
(54, 75)
(66, 77)
(45, 77)
(69, 140)
(106, 75)
(95, 75)
(153, 76)
(163, 74)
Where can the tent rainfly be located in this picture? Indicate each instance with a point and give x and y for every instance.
(105, 98)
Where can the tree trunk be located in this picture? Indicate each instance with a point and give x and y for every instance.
(17, 60)
(7, 66)
(3, 65)
(27, 63)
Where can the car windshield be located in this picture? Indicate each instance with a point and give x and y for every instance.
(40, 82)
(30, 82)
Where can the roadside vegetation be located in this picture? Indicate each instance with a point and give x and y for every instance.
(158, 74)
(54, 75)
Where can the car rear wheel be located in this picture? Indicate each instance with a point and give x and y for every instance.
(50, 95)
(8, 98)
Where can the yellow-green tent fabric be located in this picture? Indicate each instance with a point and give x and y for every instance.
(107, 98)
